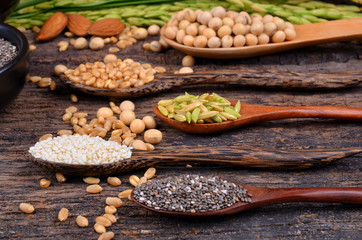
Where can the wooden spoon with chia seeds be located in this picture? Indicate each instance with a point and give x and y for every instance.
(259, 197)
(251, 113)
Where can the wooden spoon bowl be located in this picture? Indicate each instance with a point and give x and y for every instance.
(269, 196)
(307, 35)
(227, 156)
(251, 113)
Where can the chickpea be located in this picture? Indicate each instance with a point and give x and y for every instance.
(289, 25)
(228, 21)
(183, 24)
(223, 31)
(209, 33)
(239, 41)
(180, 36)
(290, 34)
(185, 70)
(257, 28)
(270, 28)
(110, 58)
(127, 116)
(278, 37)
(127, 105)
(251, 39)
(191, 29)
(215, 23)
(104, 112)
(173, 21)
(198, 13)
(227, 41)
(80, 43)
(256, 17)
(139, 145)
(170, 33)
(231, 14)
(205, 17)
(201, 29)
(59, 69)
(188, 40)
(188, 61)
(247, 18)
(190, 15)
(150, 122)
(280, 23)
(153, 30)
(218, 12)
(200, 41)
(263, 38)
(140, 33)
(153, 136)
(180, 15)
(96, 43)
(156, 46)
(239, 29)
(214, 42)
(137, 126)
(268, 18)
(163, 43)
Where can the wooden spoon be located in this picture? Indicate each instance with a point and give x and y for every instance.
(251, 113)
(268, 196)
(307, 35)
(241, 77)
(227, 156)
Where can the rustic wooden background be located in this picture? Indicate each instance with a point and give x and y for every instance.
(38, 111)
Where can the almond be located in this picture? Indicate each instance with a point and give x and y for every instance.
(78, 24)
(106, 27)
(52, 27)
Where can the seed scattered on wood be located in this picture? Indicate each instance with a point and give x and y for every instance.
(106, 236)
(81, 221)
(150, 173)
(52, 86)
(124, 194)
(110, 210)
(32, 47)
(26, 207)
(114, 181)
(44, 183)
(95, 188)
(110, 217)
(71, 109)
(99, 228)
(73, 98)
(103, 221)
(64, 132)
(34, 79)
(60, 177)
(63, 214)
(91, 180)
(45, 136)
(142, 180)
(134, 180)
(114, 201)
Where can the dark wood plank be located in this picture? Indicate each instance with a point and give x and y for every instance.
(38, 111)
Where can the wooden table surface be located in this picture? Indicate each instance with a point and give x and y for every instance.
(38, 111)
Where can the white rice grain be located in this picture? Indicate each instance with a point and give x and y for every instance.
(80, 149)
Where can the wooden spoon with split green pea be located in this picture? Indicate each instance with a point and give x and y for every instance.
(251, 113)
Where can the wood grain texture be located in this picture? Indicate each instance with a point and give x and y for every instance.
(38, 111)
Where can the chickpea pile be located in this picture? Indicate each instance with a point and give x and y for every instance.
(222, 28)
(113, 73)
(120, 121)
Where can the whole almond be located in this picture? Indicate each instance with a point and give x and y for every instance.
(63, 214)
(81, 221)
(78, 24)
(106, 27)
(52, 27)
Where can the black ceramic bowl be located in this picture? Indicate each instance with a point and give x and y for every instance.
(13, 74)
(7, 6)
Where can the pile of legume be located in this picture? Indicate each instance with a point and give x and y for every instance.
(207, 108)
(222, 28)
(190, 193)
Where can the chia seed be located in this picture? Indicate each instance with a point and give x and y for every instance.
(190, 193)
(7, 52)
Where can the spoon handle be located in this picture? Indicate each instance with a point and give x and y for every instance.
(317, 194)
(266, 113)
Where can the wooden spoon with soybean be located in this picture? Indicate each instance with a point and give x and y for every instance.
(251, 113)
(262, 197)
(307, 35)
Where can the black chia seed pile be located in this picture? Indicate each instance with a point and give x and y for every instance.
(7, 52)
(190, 193)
